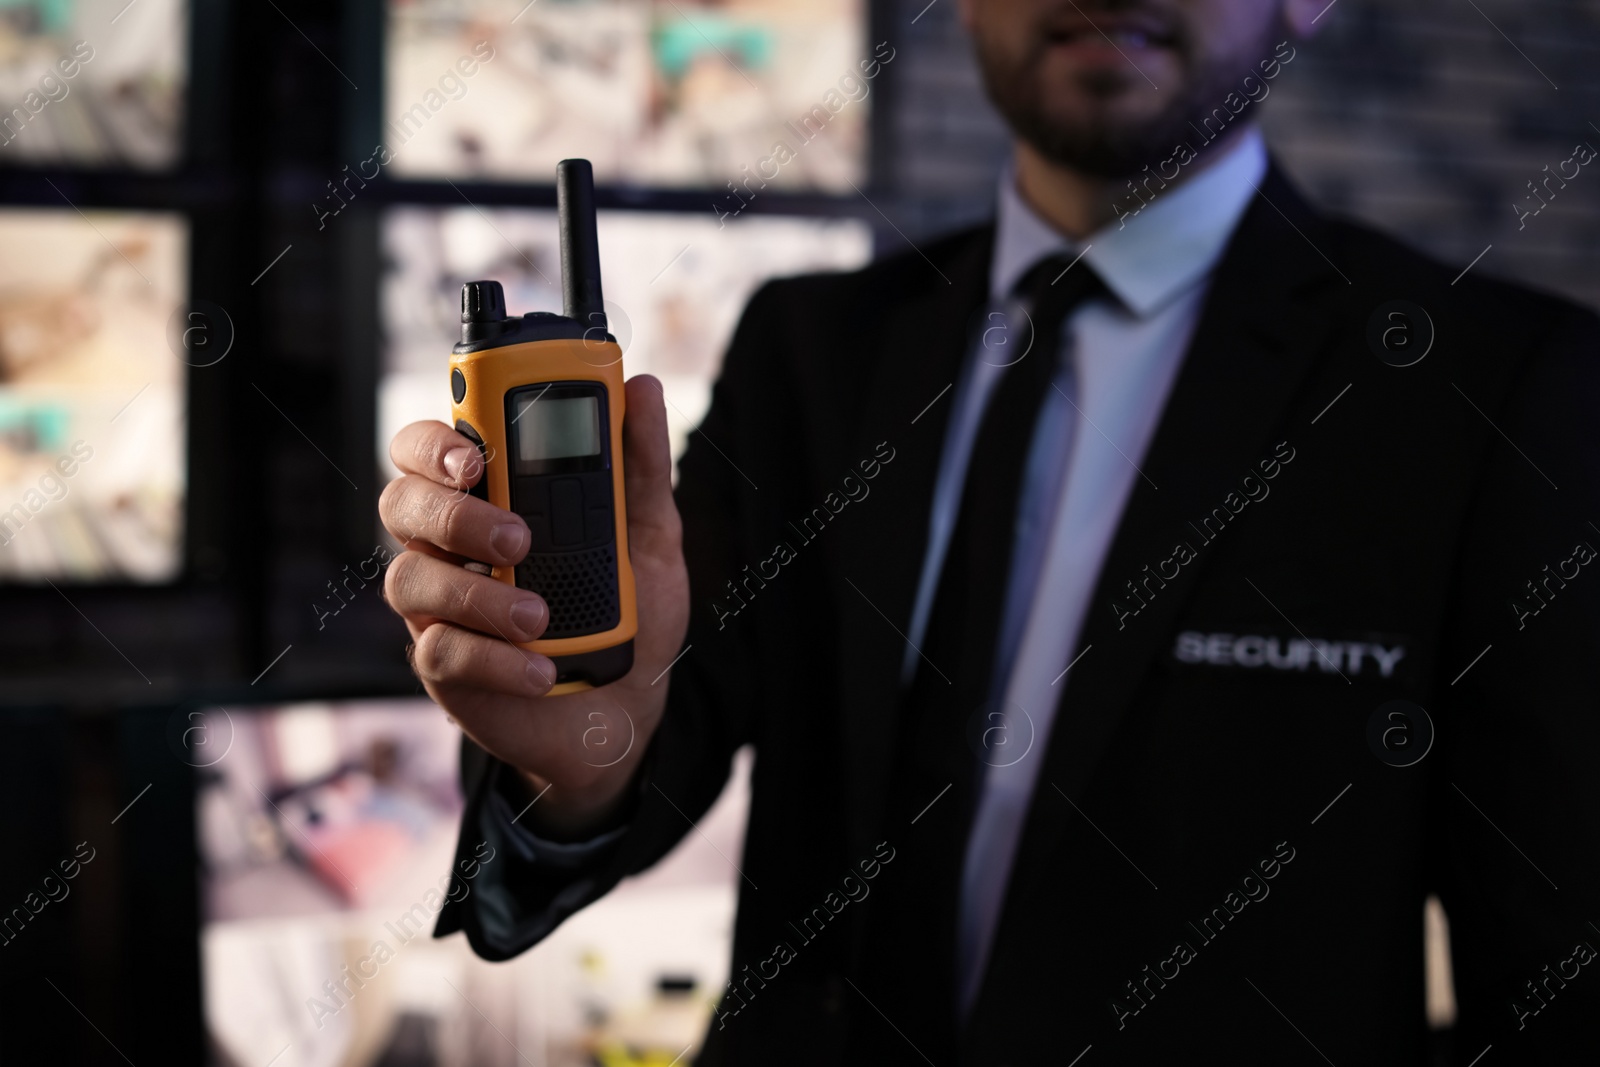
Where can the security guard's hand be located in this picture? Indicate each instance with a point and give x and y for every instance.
(584, 746)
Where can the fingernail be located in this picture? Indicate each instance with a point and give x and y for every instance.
(541, 673)
(456, 460)
(510, 539)
(527, 615)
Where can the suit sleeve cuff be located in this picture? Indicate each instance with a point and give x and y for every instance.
(529, 846)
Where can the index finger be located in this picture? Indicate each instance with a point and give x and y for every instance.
(438, 453)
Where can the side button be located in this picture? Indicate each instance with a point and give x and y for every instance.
(464, 428)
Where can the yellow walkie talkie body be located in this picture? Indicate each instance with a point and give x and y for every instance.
(541, 396)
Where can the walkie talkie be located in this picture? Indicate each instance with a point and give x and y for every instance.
(541, 396)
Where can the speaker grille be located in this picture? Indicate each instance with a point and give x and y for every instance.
(579, 587)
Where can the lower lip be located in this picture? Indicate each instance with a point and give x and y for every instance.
(1096, 50)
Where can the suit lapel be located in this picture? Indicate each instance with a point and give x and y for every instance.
(924, 337)
(1264, 324)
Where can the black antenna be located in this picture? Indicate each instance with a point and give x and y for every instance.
(580, 248)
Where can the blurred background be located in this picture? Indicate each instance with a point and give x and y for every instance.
(231, 241)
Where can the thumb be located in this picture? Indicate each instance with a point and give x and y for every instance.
(653, 526)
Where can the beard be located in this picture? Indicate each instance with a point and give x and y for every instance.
(1102, 143)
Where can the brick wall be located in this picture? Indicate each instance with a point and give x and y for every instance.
(1418, 117)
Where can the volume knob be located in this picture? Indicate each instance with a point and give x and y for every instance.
(482, 302)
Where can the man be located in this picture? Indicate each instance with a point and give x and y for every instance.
(1137, 606)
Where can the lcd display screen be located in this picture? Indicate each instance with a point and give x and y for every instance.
(93, 83)
(653, 92)
(556, 427)
(92, 396)
(326, 834)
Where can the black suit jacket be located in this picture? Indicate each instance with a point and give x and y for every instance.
(1217, 864)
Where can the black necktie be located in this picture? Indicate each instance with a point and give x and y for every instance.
(909, 950)
(964, 626)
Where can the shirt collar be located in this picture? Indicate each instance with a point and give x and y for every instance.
(1151, 255)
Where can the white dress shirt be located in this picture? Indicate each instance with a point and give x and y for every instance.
(1120, 355)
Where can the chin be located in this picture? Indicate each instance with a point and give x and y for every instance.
(1126, 121)
(1099, 97)
(1103, 145)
